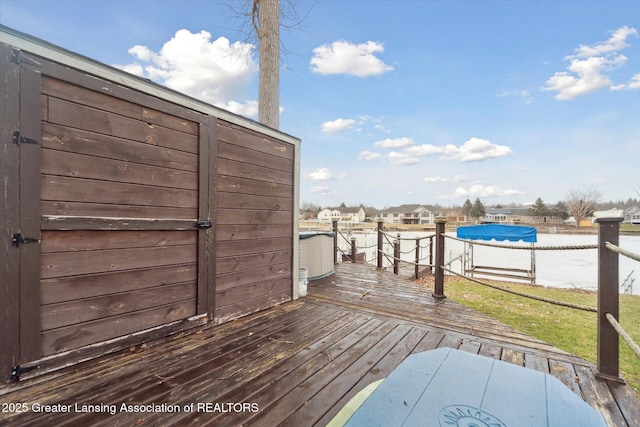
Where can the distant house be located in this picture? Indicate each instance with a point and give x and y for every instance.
(354, 214)
(407, 214)
(457, 218)
(517, 215)
(632, 215)
(329, 214)
(505, 215)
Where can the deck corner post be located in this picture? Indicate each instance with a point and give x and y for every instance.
(334, 226)
(417, 266)
(396, 255)
(354, 249)
(380, 244)
(438, 289)
(608, 297)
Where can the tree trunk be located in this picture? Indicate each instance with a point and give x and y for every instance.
(269, 50)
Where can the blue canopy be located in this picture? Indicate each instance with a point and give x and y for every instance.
(499, 232)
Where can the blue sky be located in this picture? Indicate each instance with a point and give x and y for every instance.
(429, 102)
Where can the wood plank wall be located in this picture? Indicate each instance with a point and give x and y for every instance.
(254, 223)
(120, 178)
(106, 157)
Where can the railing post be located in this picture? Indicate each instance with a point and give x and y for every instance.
(354, 248)
(417, 270)
(335, 240)
(608, 297)
(380, 244)
(396, 255)
(438, 289)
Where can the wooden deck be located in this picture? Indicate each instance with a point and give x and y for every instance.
(296, 364)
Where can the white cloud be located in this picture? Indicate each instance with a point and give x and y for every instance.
(134, 68)
(634, 83)
(401, 159)
(425, 150)
(588, 67)
(338, 125)
(587, 77)
(478, 190)
(394, 142)
(616, 42)
(443, 179)
(436, 179)
(342, 57)
(249, 108)
(321, 174)
(474, 149)
(370, 155)
(523, 94)
(320, 190)
(382, 129)
(215, 71)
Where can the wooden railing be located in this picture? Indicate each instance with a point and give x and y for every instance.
(608, 293)
(388, 248)
(609, 330)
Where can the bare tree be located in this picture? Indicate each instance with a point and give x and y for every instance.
(266, 23)
(581, 203)
(261, 21)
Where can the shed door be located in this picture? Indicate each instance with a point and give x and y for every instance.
(121, 197)
(19, 210)
(110, 194)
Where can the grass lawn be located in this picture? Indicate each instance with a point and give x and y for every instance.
(566, 328)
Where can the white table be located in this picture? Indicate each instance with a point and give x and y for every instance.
(451, 388)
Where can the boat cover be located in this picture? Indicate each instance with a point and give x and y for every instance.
(499, 232)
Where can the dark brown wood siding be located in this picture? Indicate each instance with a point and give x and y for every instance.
(254, 225)
(147, 212)
(110, 160)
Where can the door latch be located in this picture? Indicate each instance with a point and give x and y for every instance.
(204, 224)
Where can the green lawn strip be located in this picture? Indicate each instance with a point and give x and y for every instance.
(566, 328)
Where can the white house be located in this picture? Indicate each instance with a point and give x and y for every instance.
(353, 214)
(407, 214)
(632, 215)
(329, 214)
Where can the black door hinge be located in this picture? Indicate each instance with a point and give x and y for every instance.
(17, 57)
(18, 138)
(18, 239)
(203, 224)
(18, 370)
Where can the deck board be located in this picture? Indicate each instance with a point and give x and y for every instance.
(300, 362)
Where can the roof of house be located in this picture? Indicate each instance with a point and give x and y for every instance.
(508, 211)
(346, 209)
(404, 208)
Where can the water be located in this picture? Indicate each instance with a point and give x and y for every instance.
(556, 268)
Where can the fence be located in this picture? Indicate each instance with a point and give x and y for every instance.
(608, 326)
(385, 242)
